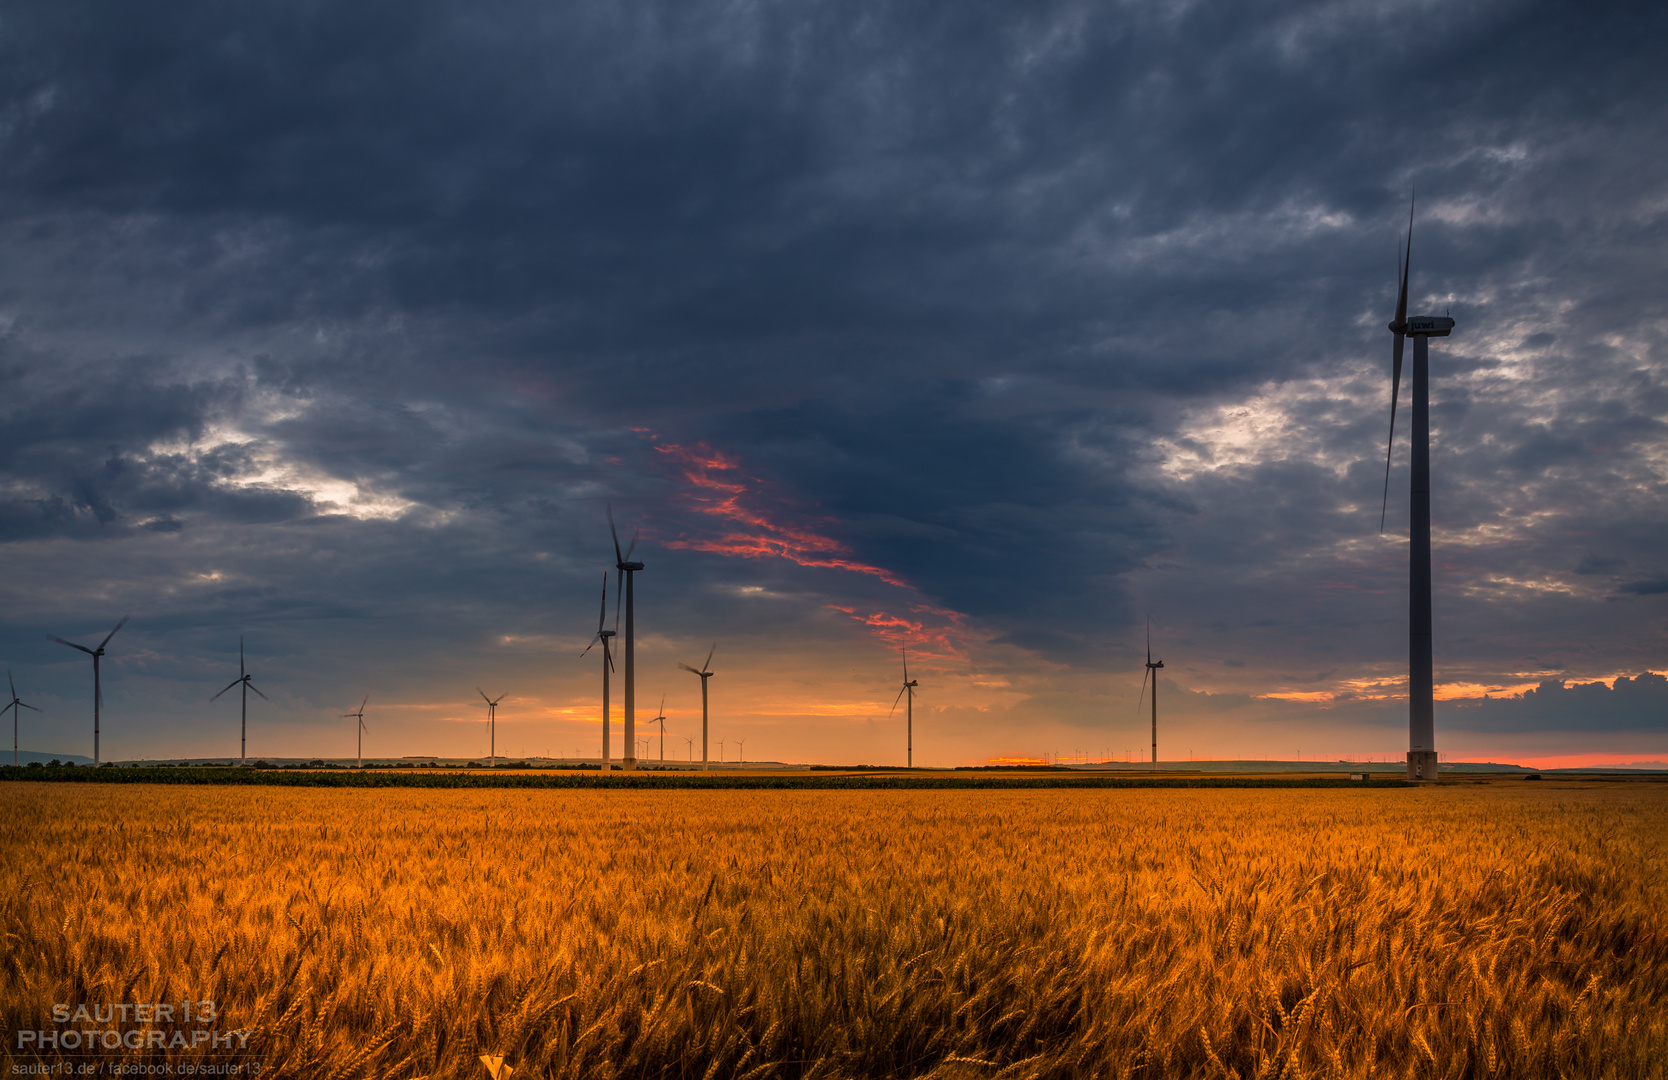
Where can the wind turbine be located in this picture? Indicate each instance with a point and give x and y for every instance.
(98, 694)
(691, 743)
(705, 675)
(607, 664)
(492, 726)
(15, 703)
(741, 751)
(1152, 669)
(661, 720)
(243, 677)
(909, 708)
(628, 571)
(360, 716)
(1421, 708)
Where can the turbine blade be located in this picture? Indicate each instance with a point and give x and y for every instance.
(362, 704)
(484, 698)
(1390, 444)
(10, 683)
(1407, 261)
(1143, 695)
(631, 547)
(602, 612)
(258, 694)
(228, 686)
(895, 701)
(707, 663)
(592, 645)
(619, 591)
(607, 654)
(615, 533)
(240, 654)
(71, 644)
(28, 706)
(906, 662)
(112, 633)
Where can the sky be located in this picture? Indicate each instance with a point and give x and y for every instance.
(993, 332)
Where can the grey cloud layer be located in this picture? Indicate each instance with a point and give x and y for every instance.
(956, 276)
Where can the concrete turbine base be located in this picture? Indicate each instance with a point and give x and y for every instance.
(1421, 765)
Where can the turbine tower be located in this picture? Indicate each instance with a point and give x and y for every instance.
(492, 726)
(1152, 670)
(603, 635)
(909, 728)
(1421, 708)
(14, 704)
(360, 716)
(243, 677)
(661, 720)
(705, 675)
(628, 571)
(98, 694)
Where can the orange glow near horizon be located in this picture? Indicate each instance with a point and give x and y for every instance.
(1612, 759)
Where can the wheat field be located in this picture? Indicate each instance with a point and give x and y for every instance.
(1464, 931)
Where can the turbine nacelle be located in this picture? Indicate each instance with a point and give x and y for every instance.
(1428, 326)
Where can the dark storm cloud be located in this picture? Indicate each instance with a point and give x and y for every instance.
(982, 285)
(1639, 703)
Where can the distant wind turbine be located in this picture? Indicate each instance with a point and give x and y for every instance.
(721, 751)
(360, 716)
(243, 677)
(909, 707)
(98, 694)
(741, 751)
(1421, 708)
(603, 635)
(691, 743)
(705, 675)
(492, 725)
(1152, 669)
(14, 704)
(661, 720)
(627, 570)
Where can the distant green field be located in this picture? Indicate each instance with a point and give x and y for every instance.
(539, 778)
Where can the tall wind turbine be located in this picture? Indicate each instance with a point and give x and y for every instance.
(909, 729)
(360, 716)
(705, 674)
(603, 635)
(628, 571)
(1421, 708)
(14, 704)
(1152, 669)
(98, 694)
(492, 726)
(243, 677)
(661, 720)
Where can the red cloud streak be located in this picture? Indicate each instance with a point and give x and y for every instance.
(723, 491)
(757, 529)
